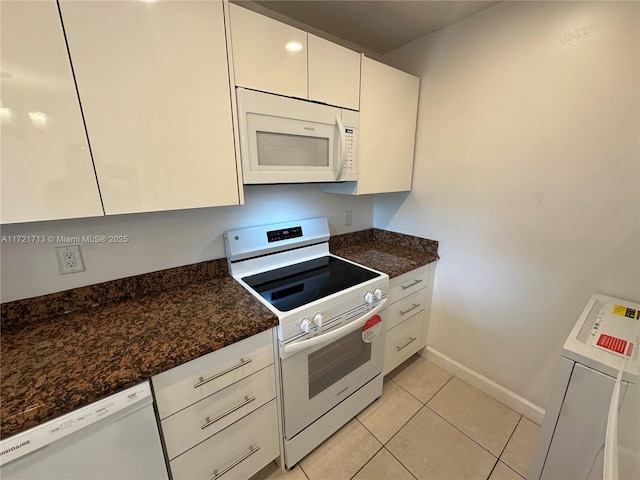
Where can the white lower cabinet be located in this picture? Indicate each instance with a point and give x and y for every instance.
(407, 316)
(191, 382)
(239, 451)
(218, 413)
(403, 341)
(192, 425)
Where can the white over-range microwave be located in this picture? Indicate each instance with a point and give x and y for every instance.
(285, 140)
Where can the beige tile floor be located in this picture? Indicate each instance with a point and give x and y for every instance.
(427, 424)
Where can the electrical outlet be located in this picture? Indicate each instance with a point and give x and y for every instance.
(69, 259)
(347, 218)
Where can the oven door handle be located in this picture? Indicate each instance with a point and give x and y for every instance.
(333, 334)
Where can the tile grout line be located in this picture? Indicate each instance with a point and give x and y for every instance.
(431, 396)
(510, 436)
(514, 471)
(469, 437)
(398, 460)
(410, 418)
(367, 462)
(506, 444)
(463, 433)
(302, 470)
(493, 468)
(383, 445)
(424, 404)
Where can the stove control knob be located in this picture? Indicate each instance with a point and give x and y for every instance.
(378, 294)
(305, 325)
(318, 319)
(368, 297)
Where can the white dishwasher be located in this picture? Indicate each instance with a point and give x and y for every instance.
(114, 438)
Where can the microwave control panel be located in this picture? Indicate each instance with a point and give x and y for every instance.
(351, 140)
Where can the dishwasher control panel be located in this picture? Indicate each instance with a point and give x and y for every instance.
(19, 445)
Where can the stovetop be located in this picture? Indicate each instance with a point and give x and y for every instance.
(295, 285)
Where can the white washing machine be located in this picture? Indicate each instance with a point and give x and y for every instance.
(599, 366)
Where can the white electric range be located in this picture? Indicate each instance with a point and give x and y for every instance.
(330, 333)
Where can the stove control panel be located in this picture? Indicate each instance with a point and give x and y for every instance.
(327, 315)
(284, 234)
(305, 324)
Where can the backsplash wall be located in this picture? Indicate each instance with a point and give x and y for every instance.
(161, 240)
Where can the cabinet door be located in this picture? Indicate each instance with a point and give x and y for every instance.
(154, 86)
(47, 172)
(268, 55)
(388, 110)
(334, 74)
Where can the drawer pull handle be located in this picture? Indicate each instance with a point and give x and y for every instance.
(415, 305)
(202, 381)
(209, 422)
(252, 450)
(416, 282)
(411, 340)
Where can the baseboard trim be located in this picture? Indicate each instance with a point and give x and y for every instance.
(482, 383)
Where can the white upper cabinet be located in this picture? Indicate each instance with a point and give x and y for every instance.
(334, 74)
(388, 113)
(154, 86)
(47, 172)
(268, 55)
(273, 57)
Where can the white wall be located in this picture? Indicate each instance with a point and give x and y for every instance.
(528, 173)
(162, 240)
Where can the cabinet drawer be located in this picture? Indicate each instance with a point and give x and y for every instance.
(190, 426)
(238, 451)
(408, 283)
(406, 307)
(402, 341)
(186, 384)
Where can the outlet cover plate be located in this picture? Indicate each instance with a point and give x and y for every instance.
(347, 218)
(69, 259)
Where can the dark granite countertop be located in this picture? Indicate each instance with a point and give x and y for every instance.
(54, 365)
(389, 252)
(66, 350)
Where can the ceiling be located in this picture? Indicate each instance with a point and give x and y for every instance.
(370, 26)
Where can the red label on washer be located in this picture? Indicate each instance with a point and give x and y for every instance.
(372, 322)
(615, 344)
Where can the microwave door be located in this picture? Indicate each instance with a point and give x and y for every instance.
(291, 151)
(282, 150)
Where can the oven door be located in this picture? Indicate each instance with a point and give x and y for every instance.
(318, 378)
